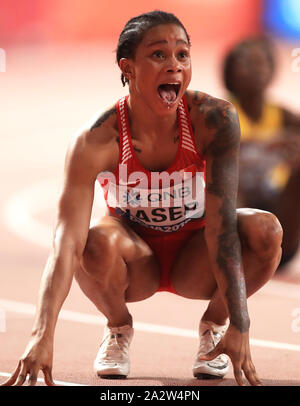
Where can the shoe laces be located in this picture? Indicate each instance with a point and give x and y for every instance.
(209, 341)
(114, 346)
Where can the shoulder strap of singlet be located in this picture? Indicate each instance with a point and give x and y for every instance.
(186, 128)
(123, 123)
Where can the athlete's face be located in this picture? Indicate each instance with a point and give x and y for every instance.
(252, 71)
(161, 69)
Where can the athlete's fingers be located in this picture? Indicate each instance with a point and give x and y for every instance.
(259, 382)
(251, 375)
(253, 380)
(33, 377)
(21, 379)
(238, 374)
(32, 380)
(11, 380)
(22, 375)
(48, 377)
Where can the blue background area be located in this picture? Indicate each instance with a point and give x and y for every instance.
(282, 18)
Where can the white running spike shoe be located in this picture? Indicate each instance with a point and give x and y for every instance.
(112, 360)
(210, 334)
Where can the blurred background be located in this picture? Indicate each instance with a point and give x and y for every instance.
(58, 70)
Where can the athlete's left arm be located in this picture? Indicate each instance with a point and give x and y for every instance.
(221, 230)
(222, 237)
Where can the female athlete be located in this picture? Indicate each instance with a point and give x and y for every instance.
(167, 159)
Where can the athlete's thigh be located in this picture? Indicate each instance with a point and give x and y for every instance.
(141, 263)
(191, 274)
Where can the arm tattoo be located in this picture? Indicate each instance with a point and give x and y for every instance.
(223, 184)
(134, 147)
(204, 100)
(103, 118)
(195, 98)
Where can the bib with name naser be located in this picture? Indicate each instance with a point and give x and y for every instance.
(164, 201)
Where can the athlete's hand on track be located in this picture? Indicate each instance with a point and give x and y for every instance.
(38, 356)
(236, 345)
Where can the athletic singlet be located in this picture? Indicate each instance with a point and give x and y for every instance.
(164, 201)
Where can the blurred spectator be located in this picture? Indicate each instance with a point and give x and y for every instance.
(270, 139)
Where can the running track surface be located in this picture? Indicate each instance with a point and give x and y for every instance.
(48, 94)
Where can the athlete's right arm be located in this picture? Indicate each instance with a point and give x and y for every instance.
(86, 157)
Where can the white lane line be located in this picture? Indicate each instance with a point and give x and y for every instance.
(7, 375)
(2, 321)
(21, 210)
(281, 289)
(69, 315)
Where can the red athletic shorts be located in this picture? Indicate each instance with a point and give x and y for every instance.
(166, 246)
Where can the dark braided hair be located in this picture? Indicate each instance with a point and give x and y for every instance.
(135, 29)
(231, 57)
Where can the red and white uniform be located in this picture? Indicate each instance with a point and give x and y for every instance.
(164, 208)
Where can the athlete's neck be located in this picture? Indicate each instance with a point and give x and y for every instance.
(252, 105)
(145, 123)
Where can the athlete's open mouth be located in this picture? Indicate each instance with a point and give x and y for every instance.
(169, 91)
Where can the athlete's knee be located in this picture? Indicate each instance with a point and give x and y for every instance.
(263, 232)
(100, 250)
